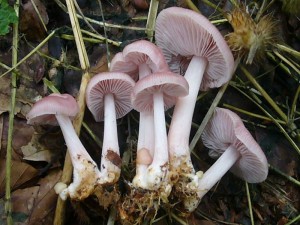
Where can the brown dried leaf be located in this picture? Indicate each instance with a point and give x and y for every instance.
(35, 205)
(45, 202)
(22, 202)
(22, 133)
(20, 174)
(30, 21)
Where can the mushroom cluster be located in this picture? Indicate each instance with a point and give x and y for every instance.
(148, 78)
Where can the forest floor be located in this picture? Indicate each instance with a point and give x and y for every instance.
(263, 92)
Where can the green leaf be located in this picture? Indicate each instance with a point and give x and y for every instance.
(7, 16)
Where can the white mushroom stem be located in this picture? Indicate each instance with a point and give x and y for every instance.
(109, 171)
(217, 170)
(145, 141)
(145, 137)
(75, 147)
(159, 166)
(180, 127)
(146, 126)
(85, 172)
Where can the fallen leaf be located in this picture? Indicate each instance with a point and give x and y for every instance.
(30, 21)
(44, 204)
(22, 133)
(20, 174)
(22, 203)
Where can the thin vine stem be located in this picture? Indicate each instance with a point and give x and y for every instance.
(8, 203)
(249, 203)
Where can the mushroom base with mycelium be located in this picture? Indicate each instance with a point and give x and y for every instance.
(141, 204)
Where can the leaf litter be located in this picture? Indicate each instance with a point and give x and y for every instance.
(38, 153)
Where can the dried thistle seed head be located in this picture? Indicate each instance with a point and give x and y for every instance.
(250, 40)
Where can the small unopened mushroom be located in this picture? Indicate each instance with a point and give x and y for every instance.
(229, 141)
(59, 109)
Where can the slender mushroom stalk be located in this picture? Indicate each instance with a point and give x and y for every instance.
(158, 169)
(58, 108)
(179, 132)
(145, 148)
(191, 45)
(110, 173)
(227, 138)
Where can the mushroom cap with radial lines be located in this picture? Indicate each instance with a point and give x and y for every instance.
(226, 128)
(44, 110)
(170, 84)
(182, 33)
(136, 54)
(120, 85)
(118, 64)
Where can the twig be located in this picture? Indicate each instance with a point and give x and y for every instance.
(63, 7)
(151, 19)
(296, 219)
(264, 94)
(205, 216)
(100, 37)
(50, 85)
(29, 54)
(8, 204)
(39, 14)
(192, 6)
(91, 133)
(286, 61)
(207, 116)
(251, 114)
(291, 179)
(295, 146)
(178, 219)
(249, 203)
(59, 217)
(105, 35)
(289, 50)
(281, 65)
(209, 3)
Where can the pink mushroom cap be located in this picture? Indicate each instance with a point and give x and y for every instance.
(168, 83)
(116, 83)
(136, 54)
(182, 34)
(44, 110)
(226, 128)
(118, 64)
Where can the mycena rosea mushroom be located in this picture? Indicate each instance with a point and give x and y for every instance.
(157, 93)
(229, 141)
(108, 97)
(140, 59)
(151, 185)
(60, 109)
(194, 47)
